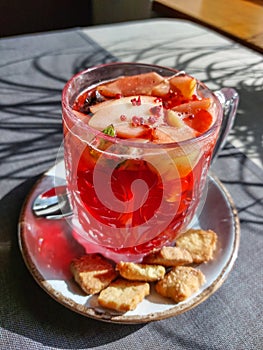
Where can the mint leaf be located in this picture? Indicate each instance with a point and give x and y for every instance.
(110, 130)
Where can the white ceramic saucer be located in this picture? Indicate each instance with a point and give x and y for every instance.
(48, 247)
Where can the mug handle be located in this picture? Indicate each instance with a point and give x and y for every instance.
(229, 98)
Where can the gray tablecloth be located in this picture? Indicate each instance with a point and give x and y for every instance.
(33, 70)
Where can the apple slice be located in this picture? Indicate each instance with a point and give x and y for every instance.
(141, 84)
(161, 89)
(173, 119)
(81, 118)
(168, 134)
(80, 115)
(183, 158)
(98, 106)
(127, 131)
(175, 163)
(122, 112)
(186, 163)
(185, 83)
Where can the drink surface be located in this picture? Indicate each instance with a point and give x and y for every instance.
(147, 106)
(131, 199)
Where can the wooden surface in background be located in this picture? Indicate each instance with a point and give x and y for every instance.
(241, 20)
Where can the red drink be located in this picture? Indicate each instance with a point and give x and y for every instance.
(137, 151)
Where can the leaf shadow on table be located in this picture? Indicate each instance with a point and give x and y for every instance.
(217, 64)
(248, 129)
(31, 136)
(246, 183)
(30, 107)
(24, 302)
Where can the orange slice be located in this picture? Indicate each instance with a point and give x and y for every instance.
(185, 84)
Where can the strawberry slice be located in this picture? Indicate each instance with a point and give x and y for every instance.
(201, 121)
(141, 84)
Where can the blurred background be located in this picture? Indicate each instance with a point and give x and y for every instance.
(27, 16)
(241, 20)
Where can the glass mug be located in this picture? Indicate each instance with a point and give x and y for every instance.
(130, 195)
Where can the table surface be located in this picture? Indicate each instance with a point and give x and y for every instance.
(33, 71)
(239, 19)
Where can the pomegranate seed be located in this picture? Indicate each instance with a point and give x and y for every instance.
(136, 121)
(151, 120)
(156, 111)
(123, 117)
(136, 102)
